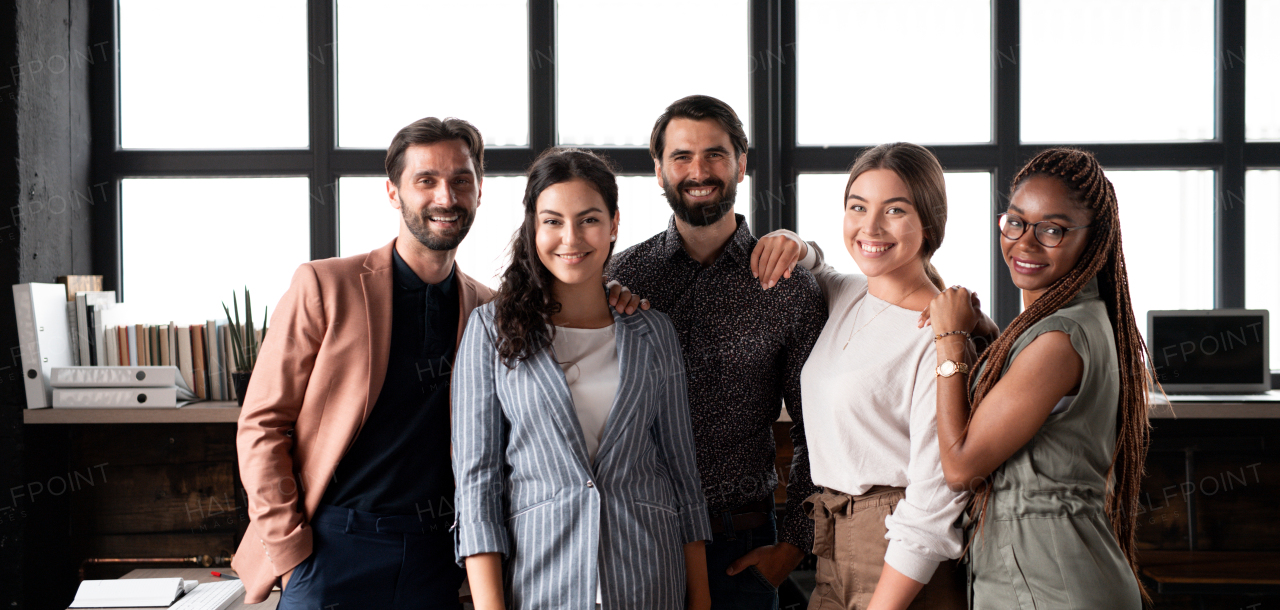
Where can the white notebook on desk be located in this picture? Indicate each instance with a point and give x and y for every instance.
(130, 592)
(211, 596)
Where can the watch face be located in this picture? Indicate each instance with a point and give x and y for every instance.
(947, 368)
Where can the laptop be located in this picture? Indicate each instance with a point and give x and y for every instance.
(1211, 352)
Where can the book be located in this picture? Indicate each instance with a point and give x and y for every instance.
(173, 344)
(133, 346)
(214, 389)
(113, 346)
(91, 310)
(228, 360)
(144, 346)
(184, 354)
(96, 304)
(44, 339)
(163, 340)
(122, 344)
(197, 361)
(211, 596)
(115, 377)
(75, 334)
(131, 592)
(154, 335)
(82, 329)
(89, 398)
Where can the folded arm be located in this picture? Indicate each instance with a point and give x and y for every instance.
(1011, 413)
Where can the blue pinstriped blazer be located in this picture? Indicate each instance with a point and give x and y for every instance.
(526, 489)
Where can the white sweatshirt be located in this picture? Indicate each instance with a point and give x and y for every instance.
(871, 418)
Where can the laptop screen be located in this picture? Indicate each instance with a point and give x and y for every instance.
(1211, 350)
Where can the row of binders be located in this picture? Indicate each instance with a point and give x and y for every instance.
(87, 387)
(83, 339)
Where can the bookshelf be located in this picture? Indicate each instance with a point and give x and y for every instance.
(204, 412)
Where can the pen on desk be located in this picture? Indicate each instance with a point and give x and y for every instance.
(221, 575)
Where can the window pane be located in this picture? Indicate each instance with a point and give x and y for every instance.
(402, 60)
(187, 243)
(226, 75)
(1166, 220)
(1262, 249)
(1262, 89)
(619, 65)
(1105, 71)
(859, 81)
(965, 255)
(367, 220)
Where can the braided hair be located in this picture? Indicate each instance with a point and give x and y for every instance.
(1103, 257)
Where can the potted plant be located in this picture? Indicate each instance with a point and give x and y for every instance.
(245, 342)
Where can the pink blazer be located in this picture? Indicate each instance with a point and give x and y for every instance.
(324, 361)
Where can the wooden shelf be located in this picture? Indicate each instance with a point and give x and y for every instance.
(1266, 407)
(1208, 572)
(196, 413)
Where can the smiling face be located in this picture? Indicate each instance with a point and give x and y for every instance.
(882, 230)
(1035, 268)
(698, 171)
(437, 193)
(574, 230)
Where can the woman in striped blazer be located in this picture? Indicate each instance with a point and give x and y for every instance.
(572, 446)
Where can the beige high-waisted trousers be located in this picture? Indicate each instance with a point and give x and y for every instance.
(848, 539)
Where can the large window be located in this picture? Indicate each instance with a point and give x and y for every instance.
(1105, 71)
(1263, 271)
(274, 144)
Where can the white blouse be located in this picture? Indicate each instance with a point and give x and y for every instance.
(589, 359)
(871, 418)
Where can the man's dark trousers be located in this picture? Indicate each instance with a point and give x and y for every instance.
(365, 560)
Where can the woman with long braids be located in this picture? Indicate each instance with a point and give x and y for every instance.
(572, 445)
(1051, 434)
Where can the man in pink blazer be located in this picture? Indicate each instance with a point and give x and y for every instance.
(346, 501)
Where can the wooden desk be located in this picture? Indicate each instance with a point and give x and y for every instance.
(1264, 407)
(202, 575)
(1211, 572)
(208, 411)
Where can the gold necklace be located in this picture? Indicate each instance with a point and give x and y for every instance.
(873, 318)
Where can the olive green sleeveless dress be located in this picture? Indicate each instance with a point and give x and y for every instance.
(1046, 542)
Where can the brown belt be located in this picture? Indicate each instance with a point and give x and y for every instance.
(746, 517)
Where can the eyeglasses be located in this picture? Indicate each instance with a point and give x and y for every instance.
(1048, 233)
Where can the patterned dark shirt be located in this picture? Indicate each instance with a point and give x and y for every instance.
(743, 351)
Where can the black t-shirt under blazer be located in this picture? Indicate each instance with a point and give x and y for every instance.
(399, 463)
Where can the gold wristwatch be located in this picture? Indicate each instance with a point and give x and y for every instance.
(951, 367)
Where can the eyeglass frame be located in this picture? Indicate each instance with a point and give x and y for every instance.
(1034, 227)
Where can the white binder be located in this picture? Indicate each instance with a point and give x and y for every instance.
(44, 337)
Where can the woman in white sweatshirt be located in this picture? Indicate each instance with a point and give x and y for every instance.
(885, 529)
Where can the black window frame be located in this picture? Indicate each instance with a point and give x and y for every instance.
(774, 160)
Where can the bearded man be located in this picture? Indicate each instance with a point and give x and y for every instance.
(365, 344)
(743, 347)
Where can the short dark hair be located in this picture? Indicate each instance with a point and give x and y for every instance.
(698, 108)
(429, 131)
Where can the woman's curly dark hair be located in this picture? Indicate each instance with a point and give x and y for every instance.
(525, 303)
